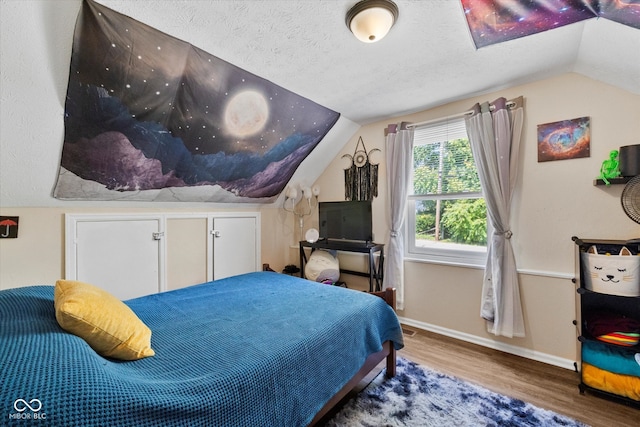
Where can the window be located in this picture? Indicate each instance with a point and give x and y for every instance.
(447, 215)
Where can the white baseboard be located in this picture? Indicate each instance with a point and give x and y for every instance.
(507, 348)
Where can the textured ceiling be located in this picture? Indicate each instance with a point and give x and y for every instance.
(428, 58)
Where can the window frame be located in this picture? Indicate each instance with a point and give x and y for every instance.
(441, 253)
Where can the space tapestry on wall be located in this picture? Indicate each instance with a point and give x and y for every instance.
(497, 21)
(150, 117)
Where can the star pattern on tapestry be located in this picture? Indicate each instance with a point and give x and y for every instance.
(147, 111)
(228, 110)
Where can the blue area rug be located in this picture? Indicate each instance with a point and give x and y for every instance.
(418, 396)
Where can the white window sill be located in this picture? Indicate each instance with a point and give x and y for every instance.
(447, 254)
(416, 258)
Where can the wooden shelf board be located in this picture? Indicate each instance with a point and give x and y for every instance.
(613, 181)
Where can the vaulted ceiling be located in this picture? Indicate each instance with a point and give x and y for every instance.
(428, 58)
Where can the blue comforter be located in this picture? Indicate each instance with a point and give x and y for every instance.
(261, 349)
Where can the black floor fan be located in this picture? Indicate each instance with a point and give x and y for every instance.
(630, 200)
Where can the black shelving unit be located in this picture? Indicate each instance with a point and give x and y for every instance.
(590, 302)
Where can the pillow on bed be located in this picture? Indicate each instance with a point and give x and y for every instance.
(110, 327)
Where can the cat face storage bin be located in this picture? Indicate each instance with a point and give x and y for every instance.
(613, 274)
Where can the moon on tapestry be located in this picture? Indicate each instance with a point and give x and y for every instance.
(149, 117)
(246, 113)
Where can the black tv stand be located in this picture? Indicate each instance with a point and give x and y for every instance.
(376, 271)
(347, 243)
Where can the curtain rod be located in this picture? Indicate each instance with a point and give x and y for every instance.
(492, 107)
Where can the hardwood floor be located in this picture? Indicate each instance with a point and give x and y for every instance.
(538, 383)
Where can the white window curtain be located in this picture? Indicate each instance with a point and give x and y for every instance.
(399, 153)
(495, 141)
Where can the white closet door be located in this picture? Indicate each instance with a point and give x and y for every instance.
(235, 246)
(121, 256)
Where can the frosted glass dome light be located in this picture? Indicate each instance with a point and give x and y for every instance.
(371, 20)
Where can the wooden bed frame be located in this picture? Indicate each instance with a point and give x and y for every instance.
(388, 352)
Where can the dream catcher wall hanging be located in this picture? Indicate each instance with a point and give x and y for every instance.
(361, 177)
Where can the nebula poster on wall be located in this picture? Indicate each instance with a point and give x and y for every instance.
(150, 117)
(567, 139)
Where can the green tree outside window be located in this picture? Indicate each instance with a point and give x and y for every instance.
(447, 171)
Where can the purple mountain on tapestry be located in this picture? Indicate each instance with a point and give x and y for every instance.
(145, 111)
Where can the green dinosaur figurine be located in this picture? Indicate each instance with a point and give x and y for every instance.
(609, 168)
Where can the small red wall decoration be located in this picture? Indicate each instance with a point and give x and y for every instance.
(8, 227)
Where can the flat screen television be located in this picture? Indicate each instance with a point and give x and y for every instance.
(348, 220)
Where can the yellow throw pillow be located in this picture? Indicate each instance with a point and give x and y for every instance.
(110, 327)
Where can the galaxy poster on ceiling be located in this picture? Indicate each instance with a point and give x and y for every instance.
(496, 21)
(150, 117)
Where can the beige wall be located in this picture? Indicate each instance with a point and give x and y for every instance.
(553, 201)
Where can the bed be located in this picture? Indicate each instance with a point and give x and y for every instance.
(259, 349)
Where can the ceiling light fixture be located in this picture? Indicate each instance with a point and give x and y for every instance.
(371, 20)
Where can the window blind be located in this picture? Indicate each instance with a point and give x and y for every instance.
(442, 160)
(446, 130)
